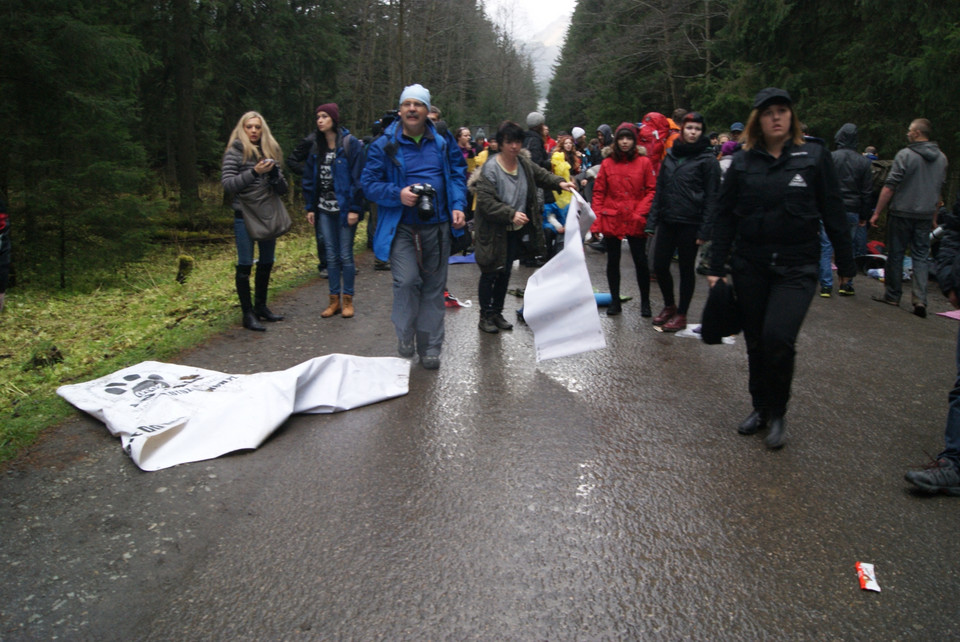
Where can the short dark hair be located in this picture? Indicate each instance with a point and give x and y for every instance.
(509, 132)
(923, 126)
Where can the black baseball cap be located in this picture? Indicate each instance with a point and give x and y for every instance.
(769, 96)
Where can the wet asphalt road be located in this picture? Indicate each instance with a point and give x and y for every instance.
(605, 496)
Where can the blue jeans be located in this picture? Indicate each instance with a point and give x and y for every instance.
(245, 245)
(952, 432)
(418, 263)
(858, 234)
(338, 242)
(903, 232)
(826, 260)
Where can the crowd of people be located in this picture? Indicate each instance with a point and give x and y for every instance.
(764, 205)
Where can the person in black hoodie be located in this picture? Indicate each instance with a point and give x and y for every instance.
(943, 474)
(774, 196)
(682, 216)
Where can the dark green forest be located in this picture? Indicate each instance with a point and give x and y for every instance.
(876, 63)
(116, 113)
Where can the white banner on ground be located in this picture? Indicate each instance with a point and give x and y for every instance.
(558, 302)
(167, 414)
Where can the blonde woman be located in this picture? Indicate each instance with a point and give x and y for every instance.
(252, 155)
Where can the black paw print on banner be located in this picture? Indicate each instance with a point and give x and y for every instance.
(145, 388)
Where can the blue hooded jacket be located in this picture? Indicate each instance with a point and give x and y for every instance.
(385, 175)
(346, 175)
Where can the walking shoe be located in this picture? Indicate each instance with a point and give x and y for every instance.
(614, 308)
(405, 348)
(665, 314)
(941, 477)
(883, 299)
(846, 289)
(920, 311)
(520, 316)
(430, 361)
(500, 322)
(487, 324)
(755, 421)
(826, 291)
(675, 323)
(381, 266)
(775, 439)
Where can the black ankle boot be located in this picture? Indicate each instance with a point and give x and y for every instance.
(776, 438)
(614, 308)
(261, 282)
(755, 421)
(250, 322)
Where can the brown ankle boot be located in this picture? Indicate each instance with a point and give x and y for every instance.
(333, 308)
(347, 306)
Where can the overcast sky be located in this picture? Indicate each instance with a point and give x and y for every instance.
(535, 13)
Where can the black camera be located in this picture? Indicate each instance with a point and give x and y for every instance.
(426, 192)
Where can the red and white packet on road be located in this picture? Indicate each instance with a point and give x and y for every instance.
(868, 578)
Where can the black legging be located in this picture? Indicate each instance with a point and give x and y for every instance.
(639, 253)
(493, 285)
(682, 238)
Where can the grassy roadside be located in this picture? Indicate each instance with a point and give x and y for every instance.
(54, 338)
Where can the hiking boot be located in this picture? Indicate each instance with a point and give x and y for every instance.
(405, 348)
(920, 311)
(665, 314)
(614, 308)
(430, 361)
(333, 308)
(381, 266)
(676, 323)
(776, 438)
(846, 289)
(755, 421)
(487, 324)
(826, 291)
(940, 477)
(500, 322)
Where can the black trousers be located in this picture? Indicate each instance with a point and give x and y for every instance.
(638, 250)
(682, 239)
(493, 285)
(773, 301)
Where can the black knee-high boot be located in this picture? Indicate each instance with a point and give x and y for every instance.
(261, 282)
(242, 280)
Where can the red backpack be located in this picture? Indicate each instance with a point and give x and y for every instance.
(654, 131)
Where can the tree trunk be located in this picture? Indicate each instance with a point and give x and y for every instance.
(186, 131)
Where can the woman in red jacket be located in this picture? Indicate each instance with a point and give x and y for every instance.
(622, 196)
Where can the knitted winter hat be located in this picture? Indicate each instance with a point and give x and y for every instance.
(535, 119)
(416, 92)
(331, 110)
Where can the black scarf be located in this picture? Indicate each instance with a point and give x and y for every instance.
(683, 150)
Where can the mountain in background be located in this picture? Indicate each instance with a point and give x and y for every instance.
(544, 49)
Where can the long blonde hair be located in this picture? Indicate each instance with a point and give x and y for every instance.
(269, 145)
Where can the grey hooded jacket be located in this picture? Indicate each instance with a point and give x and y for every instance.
(917, 176)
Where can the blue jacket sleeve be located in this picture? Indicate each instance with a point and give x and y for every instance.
(375, 179)
(355, 158)
(457, 182)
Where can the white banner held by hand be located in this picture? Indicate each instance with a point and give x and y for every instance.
(558, 302)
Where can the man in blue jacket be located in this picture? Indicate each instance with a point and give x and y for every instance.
(413, 227)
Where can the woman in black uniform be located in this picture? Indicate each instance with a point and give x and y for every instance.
(773, 198)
